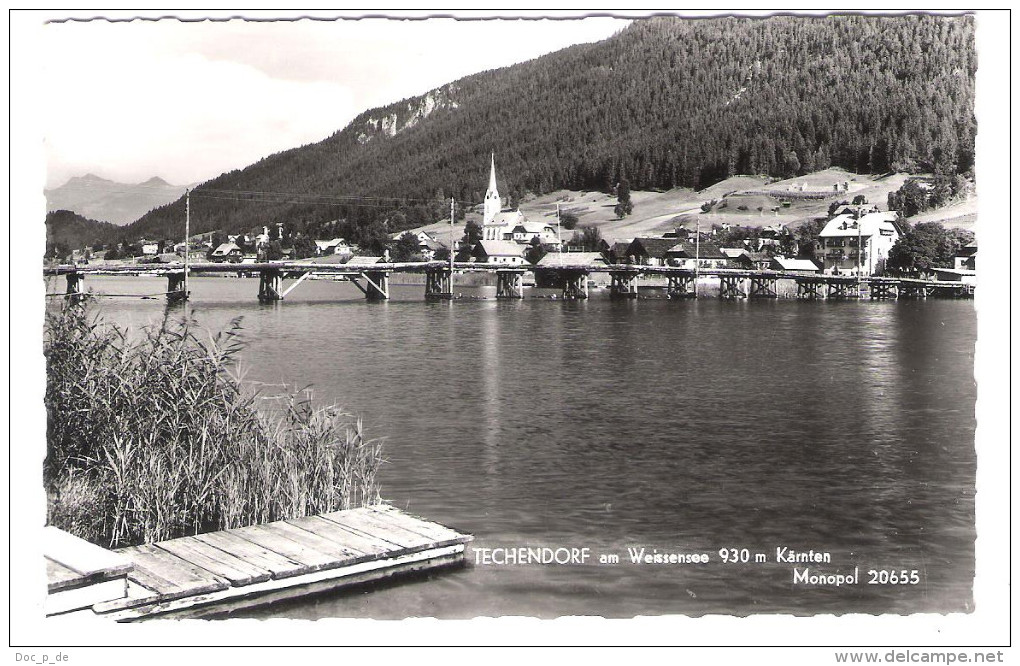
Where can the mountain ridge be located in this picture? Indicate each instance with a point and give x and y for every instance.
(663, 103)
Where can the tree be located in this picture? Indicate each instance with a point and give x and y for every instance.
(624, 207)
(805, 236)
(274, 251)
(589, 238)
(860, 200)
(910, 199)
(406, 248)
(472, 232)
(112, 254)
(304, 247)
(568, 221)
(925, 246)
(372, 239)
(536, 251)
(835, 206)
(792, 164)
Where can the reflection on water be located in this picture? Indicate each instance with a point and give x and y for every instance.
(691, 426)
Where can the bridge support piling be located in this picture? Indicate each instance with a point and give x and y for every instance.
(883, 289)
(75, 286)
(730, 287)
(175, 288)
(912, 290)
(269, 286)
(681, 286)
(575, 285)
(438, 285)
(810, 289)
(763, 286)
(378, 287)
(623, 285)
(840, 289)
(509, 284)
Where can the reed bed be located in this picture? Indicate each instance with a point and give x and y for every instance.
(155, 435)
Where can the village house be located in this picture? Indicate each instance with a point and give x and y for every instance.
(650, 251)
(795, 265)
(679, 233)
(837, 244)
(229, 252)
(498, 252)
(580, 259)
(687, 254)
(366, 261)
(966, 258)
(334, 246)
(616, 253)
(742, 257)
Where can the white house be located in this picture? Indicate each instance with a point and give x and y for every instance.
(837, 244)
(966, 258)
(526, 231)
(334, 246)
(498, 252)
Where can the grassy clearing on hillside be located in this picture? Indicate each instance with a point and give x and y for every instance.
(657, 212)
(154, 436)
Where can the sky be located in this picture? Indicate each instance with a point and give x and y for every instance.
(186, 101)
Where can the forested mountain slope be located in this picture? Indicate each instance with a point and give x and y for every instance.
(666, 102)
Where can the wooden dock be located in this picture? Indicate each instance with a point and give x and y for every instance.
(215, 573)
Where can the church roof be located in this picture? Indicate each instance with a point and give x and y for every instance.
(507, 218)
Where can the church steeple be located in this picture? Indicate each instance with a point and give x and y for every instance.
(492, 202)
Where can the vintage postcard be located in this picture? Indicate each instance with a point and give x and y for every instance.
(651, 328)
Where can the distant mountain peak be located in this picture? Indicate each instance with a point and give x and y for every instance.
(105, 200)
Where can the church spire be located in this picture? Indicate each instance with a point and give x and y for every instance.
(492, 201)
(492, 174)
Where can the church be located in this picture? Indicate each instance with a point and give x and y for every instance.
(501, 225)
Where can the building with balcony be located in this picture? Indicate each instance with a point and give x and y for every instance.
(853, 244)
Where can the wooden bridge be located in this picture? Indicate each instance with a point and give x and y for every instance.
(373, 279)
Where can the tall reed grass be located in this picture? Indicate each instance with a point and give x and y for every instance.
(154, 434)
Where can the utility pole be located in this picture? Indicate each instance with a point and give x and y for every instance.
(559, 236)
(187, 236)
(452, 209)
(697, 252)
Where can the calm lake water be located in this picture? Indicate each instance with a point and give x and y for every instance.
(843, 427)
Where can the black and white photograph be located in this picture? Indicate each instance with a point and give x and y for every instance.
(564, 328)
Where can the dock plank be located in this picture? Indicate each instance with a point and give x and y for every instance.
(328, 529)
(183, 576)
(79, 555)
(263, 558)
(235, 571)
(366, 521)
(59, 577)
(435, 531)
(343, 553)
(278, 543)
